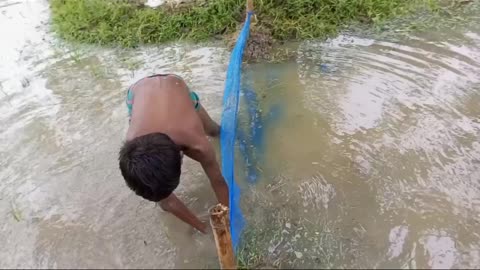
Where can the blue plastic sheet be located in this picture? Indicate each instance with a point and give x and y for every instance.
(251, 137)
(229, 129)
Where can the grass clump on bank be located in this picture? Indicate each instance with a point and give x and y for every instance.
(121, 22)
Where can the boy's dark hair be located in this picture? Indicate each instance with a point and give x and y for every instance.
(151, 165)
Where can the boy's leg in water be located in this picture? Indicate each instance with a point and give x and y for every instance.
(211, 127)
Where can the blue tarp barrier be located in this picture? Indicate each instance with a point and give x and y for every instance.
(229, 129)
(251, 141)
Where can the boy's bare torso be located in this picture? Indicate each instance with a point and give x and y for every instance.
(163, 104)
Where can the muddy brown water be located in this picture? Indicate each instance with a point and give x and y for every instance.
(378, 147)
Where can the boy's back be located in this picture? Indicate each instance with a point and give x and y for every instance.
(163, 104)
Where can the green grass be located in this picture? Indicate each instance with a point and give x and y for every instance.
(119, 22)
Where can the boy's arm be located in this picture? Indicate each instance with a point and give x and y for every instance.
(177, 208)
(203, 152)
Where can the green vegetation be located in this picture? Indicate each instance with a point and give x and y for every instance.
(274, 246)
(120, 22)
(279, 237)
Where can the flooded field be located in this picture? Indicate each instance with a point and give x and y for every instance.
(373, 159)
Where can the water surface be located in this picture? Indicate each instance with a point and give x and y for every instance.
(374, 160)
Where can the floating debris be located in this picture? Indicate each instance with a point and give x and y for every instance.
(299, 255)
(25, 82)
(17, 215)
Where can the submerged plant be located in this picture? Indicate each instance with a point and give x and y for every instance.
(279, 236)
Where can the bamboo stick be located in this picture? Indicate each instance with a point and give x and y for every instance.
(250, 8)
(249, 5)
(220, 222)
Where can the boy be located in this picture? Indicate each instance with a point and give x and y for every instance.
(166, 121)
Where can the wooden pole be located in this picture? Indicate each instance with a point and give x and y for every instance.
(220, 222)
(249, 5)
(250, 8)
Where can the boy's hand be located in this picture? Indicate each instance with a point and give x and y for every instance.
(204, 229)
(176, 207)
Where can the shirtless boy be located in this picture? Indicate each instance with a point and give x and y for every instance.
(167, 121)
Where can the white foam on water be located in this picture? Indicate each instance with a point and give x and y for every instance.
(397, 238)
(441, 250)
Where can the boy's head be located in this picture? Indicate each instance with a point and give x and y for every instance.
(151, 165)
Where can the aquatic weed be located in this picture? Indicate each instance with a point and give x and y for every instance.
(282, 243)
(98, 71)
(16, 213)
(277, 236)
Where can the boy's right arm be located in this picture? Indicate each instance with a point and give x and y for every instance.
(203, 152)
(200, 149)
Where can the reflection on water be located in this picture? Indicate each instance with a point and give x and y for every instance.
(374, 159)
